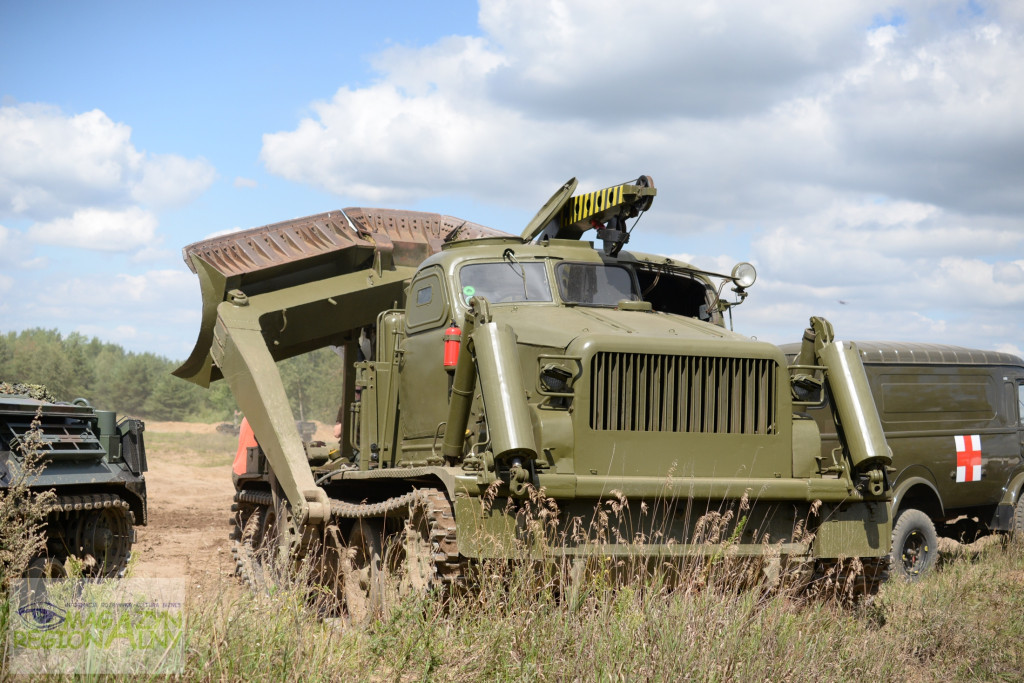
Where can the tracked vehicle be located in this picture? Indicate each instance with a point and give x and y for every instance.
(95, 465)
(502, 364)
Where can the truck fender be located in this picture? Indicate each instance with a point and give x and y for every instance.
(1012, 490)
(910, 483)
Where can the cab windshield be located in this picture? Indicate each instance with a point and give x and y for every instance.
(506, 282)
(595, 284)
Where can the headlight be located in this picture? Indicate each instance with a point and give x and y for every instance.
(744, 274)
(555, 379)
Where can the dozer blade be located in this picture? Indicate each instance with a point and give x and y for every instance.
(304, 250)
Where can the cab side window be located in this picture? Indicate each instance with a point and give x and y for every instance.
(428, 303)
(1020, 402)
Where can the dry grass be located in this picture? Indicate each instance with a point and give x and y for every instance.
(964, 622)
(22, 510)
(961, 623)
(623, 621)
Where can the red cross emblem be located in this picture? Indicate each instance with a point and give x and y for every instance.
(968, 458)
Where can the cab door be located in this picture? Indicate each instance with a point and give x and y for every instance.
(423, 384)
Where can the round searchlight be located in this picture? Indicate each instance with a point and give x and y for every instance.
(744, 274)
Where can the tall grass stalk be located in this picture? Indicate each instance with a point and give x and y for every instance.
(965, 622)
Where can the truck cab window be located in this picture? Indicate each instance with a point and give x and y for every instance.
(671, 292)
(595, 284)
(505, 282)
(428, 305)
(1020, 403)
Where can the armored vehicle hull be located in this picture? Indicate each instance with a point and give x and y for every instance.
(94, 464)
(514, 378)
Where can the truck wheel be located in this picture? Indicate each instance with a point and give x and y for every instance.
(1017, 528)
(915, 546)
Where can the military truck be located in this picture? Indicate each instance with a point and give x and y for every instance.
(953, 418)
(93, 462)
(502, 365)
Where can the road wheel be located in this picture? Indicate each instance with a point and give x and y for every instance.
(362, 567)
(412, 560)
(268, 536)
(45, 568)
(102, 539)
(915, 545)
(329, 572)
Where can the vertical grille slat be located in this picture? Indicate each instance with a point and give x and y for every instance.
(669, 393)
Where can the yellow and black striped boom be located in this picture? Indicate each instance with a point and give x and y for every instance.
(596, 208)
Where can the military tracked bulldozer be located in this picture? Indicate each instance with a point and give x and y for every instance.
(95, 466)
(495, 365)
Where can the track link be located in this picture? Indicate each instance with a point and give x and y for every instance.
(441, 529)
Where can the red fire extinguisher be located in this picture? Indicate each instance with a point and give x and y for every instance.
(452, 342)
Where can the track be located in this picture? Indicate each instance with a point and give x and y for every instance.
(95, 528)
(425, 556)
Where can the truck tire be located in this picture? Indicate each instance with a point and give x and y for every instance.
(915, 545)
(1017, 527)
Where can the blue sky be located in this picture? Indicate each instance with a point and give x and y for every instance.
(867, 157)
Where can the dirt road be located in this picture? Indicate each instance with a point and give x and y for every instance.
(189, 508)
(190, 496)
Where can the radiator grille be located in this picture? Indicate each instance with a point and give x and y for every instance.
(643, 392)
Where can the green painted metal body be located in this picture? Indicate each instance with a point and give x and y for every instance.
(93, 463)
(590, 376)
(85, 451)
(928, 395)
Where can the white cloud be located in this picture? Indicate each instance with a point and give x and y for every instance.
(52, 164)
(866, 153)
(746, 110)
(16, 252)
(156, 310)
(100, 229)
(170, 180)
(605, 59)
(1010, 348)
(890, 271)
(156, 295)
(120, 334)
(245, 182)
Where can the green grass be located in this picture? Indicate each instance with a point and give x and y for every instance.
(203, 450)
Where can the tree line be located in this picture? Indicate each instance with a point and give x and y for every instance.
(141, 384)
